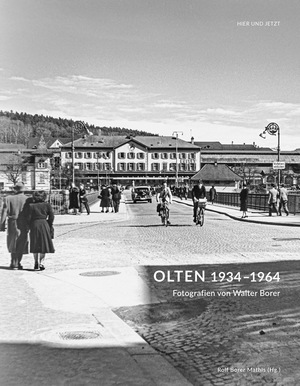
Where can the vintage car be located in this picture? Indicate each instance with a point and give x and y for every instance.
(141, 193)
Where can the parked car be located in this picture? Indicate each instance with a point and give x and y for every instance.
(141, 193)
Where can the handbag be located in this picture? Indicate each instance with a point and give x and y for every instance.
(158, 208)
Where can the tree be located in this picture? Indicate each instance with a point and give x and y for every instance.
(13, 166)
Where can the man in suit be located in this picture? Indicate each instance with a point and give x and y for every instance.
(198, 191)
(13, 212)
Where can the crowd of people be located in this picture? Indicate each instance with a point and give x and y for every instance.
(277, 200)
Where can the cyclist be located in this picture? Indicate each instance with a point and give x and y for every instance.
(198, 191)
(164, 195)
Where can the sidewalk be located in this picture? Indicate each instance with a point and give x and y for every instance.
(254, 216)
(60, 328)
(94, 217)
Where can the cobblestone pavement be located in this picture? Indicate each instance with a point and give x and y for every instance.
(214, 336)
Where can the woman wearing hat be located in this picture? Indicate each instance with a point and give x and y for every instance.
(12, 210)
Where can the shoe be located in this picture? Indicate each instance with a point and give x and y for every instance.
(168, 223)
(13, 267)
(287, 214)
(246, 216)
(102, 211)
(107, 211)
(36, 266)
(20, 266)
(42, 267)
(194, 220)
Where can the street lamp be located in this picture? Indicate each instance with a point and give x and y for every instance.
(77, 125)
(272, 129)
(176, 147)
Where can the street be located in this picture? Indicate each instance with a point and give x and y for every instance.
(208, 330)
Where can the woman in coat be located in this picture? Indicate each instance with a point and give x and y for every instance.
(74, 198)
(40, 219)
(244, 200)
(105, 196)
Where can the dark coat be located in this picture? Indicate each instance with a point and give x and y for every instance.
(40, 220)
(244, 199)
(74, 198)
(16, 230)
(198, 192)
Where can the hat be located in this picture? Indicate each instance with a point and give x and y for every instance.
(19, 187)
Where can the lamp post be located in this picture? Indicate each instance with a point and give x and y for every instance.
(176, 148)
(77, 125)
(272, 129)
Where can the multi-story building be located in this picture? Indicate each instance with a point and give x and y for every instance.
(131, 160)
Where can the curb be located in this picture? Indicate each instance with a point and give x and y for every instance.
(242, 220)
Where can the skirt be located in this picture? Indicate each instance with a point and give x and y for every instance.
(40, 237)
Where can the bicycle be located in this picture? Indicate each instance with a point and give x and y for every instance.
(201, 204)
(165, 213)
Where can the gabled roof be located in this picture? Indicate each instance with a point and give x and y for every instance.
(12, 146)
(163, 142)
(235, 147)
(33, 142)
(103, 141)
(216, 172)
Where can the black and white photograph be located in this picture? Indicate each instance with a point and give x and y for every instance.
(149, 193)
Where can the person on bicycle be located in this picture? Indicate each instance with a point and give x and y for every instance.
(198, 191)
(164, 195)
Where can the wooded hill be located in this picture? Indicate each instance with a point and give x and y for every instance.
(19, 127)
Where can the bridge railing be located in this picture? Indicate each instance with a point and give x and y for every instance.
(257, 201)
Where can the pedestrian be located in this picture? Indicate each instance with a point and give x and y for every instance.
(74, 198)
(105, 196)
(272, 199)
(198, 191)
(283, 200)
(17, 235)
(40, 220)
(212, 194)
(83, 199)
(116, 197)
(244, 200)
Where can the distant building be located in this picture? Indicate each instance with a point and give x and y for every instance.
(221, 176)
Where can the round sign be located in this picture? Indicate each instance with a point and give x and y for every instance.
(272, 128)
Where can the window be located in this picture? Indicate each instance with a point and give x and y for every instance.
(164, 155)
(155, 155)
(78, 165)
(182, 155)
(140, 166)
(192, 167)
(140, 155)
(107, 166)
(172, 167)
(42, 165)
(121, 155)
(69, 155)
(131, 155)
(155, 167)
(121, 166)
(41, 178)
(182, 167)
(192, 156)
(78, 155)
(165, 166)
(131, 167)
(24, 178)
(173, 155)
(88, 155)
(88, 166)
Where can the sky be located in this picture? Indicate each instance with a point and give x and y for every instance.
(217, 70)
